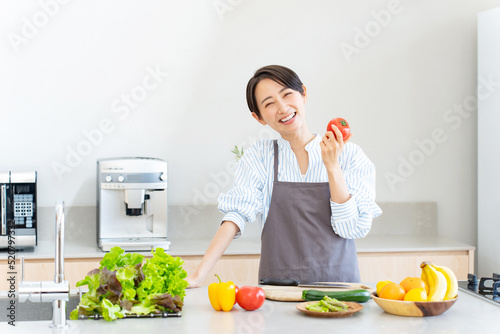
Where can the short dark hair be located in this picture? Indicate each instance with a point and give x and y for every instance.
(280, 74)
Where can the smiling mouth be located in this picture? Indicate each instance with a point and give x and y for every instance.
(289, 117)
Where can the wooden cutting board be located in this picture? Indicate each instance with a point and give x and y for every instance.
(294, 293)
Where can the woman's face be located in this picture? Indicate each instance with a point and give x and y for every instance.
(280, 107)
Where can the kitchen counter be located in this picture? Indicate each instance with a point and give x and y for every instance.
(469, 314)
(87, 247)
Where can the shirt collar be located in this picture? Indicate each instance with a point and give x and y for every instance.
(311, 145)
(283, 143)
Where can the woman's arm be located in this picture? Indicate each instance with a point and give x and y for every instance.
(222, 239)
(339, 193)
(352, 188)
(331, 148)
(240, 205)
(353, 219)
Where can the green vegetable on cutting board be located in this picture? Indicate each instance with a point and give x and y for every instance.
(359, 295)
(126, 284)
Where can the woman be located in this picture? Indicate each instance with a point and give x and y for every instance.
(315, 193)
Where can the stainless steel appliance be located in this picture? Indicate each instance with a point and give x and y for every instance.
(486, 287)
(132, 203)
(18, 211)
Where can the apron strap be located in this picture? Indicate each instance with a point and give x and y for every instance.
(275, 160)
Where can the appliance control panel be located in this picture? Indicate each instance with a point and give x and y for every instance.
(23, 210)
(157, 180)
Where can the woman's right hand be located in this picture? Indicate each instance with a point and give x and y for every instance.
(225, 234)
(193, 281)
(331, 147)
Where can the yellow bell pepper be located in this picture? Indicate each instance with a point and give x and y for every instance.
(222, 295)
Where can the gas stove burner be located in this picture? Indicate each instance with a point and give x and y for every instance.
(472, 282)
(494, 289)
(487, 287)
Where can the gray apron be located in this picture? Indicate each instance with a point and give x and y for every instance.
(298, 241)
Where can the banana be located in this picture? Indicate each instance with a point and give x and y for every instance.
(436, 282)
(451, 281)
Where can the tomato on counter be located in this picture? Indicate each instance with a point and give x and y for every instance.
(250, 297)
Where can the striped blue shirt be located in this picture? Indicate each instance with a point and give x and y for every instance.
(250, 196)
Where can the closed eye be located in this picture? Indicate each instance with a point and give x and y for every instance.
(267, 105)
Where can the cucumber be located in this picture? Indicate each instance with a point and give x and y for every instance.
(359, 296)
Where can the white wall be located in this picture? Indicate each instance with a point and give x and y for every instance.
(70, 74)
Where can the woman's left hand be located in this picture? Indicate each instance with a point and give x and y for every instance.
(331, 147)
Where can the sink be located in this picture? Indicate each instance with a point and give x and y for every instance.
(29, 311)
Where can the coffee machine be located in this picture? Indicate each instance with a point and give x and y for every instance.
(132, 203)
(18, 210)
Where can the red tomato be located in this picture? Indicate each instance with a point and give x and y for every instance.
(235, 293)
(342, 125)
(250, 297)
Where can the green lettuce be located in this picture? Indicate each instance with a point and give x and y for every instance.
(118, 258)
(126, 276)
(163, 274)
(111, 311)
(126, 283)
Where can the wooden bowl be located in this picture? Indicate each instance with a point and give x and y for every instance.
(413, 309)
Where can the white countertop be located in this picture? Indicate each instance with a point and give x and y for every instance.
(408, 243)
(85, 248)
(468, 315)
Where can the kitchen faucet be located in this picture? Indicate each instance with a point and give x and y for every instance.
(57, 291)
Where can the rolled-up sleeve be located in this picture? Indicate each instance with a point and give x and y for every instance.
(353, 219)
(244, 202)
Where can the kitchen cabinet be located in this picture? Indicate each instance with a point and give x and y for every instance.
(239, 268)
(243, 269)
(43, 270)
(373, 266)
(394, 266)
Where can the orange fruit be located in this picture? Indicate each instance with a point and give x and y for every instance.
(416, 295)
(392, 291)
(380, 285)
(410, 283)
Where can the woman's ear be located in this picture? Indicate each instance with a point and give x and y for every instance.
(261, 121)
(305, 93)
